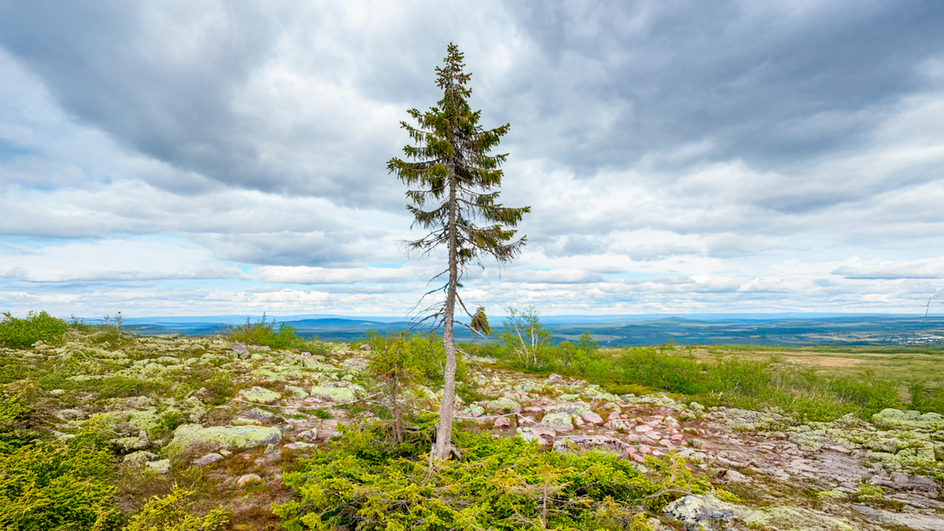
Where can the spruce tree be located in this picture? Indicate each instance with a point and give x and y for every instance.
(454, 195)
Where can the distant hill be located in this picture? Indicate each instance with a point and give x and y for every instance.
(623, 330)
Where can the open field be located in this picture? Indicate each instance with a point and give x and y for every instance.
(899, 364)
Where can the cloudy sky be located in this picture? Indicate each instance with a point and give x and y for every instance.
(187, 157)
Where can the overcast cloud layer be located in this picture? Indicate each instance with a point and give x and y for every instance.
(187, 158)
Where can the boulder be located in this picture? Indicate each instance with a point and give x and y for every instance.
(536, 434)
(559, 422)
(297, 392)
(299, 446)
(337, 394)
(599, 443)
(572, 408)
(502, 422)
(907, 420)
(248, 479)
(504, 405)
(699, 513)
(261, 395)
(140, 458)
(232, 438)
(160, 467)
(208, 459)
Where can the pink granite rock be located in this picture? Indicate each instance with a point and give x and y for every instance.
(502, 422)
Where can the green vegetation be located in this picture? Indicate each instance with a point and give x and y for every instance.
(751, 382)
(173, 513)
(23, 333)
(47, 484)
(263, 333)
(118, 396)
(364, 482)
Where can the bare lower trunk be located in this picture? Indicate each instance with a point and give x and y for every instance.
(443, 446)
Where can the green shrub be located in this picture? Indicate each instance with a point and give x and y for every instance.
(526, 339)
(174, 513)
(422, 355)
(654, 368)
(263, 333)
(925, 399)
(23, 415)
(22, 333)
(500, 484)
(867, 392)
(52, 484)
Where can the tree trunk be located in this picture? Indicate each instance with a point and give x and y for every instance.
(443, 446)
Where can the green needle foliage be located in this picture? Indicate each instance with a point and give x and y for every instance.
(22, 333)
(455, 198)
(503, 484)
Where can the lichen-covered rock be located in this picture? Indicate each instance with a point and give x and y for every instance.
(297, 392)
(208, 459)
(619, 424)
(504, 405)
(131, 443)
(700, 513)
(536, 434)
(261, 395)
(592, 418)
(559, 422)
(232, 438)
(572, 408)
(907, 420)
(599, 443)
(248, 479)
(140, 458)
(160, 467)
(337, 394)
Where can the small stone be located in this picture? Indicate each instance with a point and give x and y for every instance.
(208, 459)
(261, 395)
(140, 458)
(643, 428)
(619, 425)
(615, 415)
(309, 435)
(476, 410)
(531, 409)
(526, 420)
(248, 479)
(160, 467)
(502, 422)
(297, 392)
(240, 350)
(299, 446)
(592, 418)
(504, 404)
(558, 421)
(677, 437)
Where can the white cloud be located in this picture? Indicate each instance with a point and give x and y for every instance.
(213, 157)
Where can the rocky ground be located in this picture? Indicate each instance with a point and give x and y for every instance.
(845, 475)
